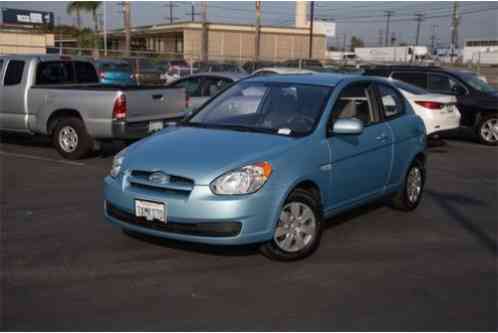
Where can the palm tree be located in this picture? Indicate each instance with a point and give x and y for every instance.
(89, 7)
(72, 8)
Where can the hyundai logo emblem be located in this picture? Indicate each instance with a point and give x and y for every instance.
(159, 178)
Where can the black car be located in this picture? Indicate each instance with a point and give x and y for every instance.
(477, 101)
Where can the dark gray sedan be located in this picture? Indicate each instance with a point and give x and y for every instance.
(202, 86)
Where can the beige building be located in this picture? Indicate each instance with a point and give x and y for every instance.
(227, 42)
(24, 41)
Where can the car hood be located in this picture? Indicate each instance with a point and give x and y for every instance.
(203, 154)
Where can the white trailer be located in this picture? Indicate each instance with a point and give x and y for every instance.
(392, 54)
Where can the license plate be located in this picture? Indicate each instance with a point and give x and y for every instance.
(155, 126)
(151, 210)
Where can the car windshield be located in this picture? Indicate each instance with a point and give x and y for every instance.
(409, 87)
(281, 108)
(475, 82)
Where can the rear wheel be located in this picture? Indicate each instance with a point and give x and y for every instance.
(298, 230)
(71, 139)
(487, 129)
(411, 194)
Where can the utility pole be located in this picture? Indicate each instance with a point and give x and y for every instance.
(171, 18)
(454, 30)
(205, 35)
(389, 13)
(193, 13)
(312, 18)
(381, 37)
(258, 31)
(344, 43)
(433, 37)
(419, 18)
(105, 28)
(60, 34)
(127, 24)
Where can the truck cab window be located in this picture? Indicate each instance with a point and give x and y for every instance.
(85, 72)
(14, 72)
(54, 72)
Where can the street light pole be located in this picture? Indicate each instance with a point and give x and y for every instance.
(312, 18)
(258, 31)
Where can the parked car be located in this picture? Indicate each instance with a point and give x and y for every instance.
(477, 101)
(145, 71)
(61, 97)
(268, 161)
(312, 64)
(252, 66)
(439, 112)
(115, 72)
(280, 70)
(219, 67)
(201, 87)
(175, 69)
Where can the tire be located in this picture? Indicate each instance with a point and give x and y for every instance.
(404, 200)
(487, 129)
(71, 139)
(308, 242)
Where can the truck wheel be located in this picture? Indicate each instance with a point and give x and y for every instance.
(487, 129)
(411, 194)
(298, 230)
(71, 139)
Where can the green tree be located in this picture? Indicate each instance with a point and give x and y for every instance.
(91, 7)
(356, 42)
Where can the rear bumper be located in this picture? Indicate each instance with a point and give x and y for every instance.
(123, 130)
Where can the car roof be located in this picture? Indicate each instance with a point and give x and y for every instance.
(227, 75)
(321, 79)
(284, 70)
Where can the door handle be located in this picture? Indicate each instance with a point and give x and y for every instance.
(383, 136)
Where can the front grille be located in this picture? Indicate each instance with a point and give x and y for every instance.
(206, 229)
(177, 186)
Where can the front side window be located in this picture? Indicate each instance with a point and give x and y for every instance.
(85, 72)
(54, 72)
(291, 109)
(213, 85)
(444, 84)
(355, 102)
(192, 86)
(416, 78)
(391, 101)
(14, 73)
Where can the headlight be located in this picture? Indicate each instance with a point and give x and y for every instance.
(117, 161)
(245, 180)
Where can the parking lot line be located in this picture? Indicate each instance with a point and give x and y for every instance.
(41, 158)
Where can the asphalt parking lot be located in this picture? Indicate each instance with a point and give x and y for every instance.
(64, 268)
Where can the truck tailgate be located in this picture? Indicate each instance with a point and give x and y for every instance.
(155, 103)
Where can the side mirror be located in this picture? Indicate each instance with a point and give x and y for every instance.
(458, 90)
(351, 126)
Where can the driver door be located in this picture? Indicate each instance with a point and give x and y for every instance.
(360, 162)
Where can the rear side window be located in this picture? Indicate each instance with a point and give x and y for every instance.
(391, 101)
(14, 72)
(417, 79)
(54, 72)
(85, 72)
(213, 85)
(192, 86)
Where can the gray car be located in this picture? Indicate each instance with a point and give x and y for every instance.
(202, 86)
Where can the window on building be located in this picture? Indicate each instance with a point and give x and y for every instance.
(14, 73)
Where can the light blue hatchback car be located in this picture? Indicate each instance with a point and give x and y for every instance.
(268, 160)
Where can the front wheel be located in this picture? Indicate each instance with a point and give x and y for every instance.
(298, 230)
(71, 139)
(487, 129)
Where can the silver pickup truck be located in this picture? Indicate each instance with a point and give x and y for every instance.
(61, 97)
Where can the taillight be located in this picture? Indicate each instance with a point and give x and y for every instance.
(101, 74)
(430, 105)
(119, 110)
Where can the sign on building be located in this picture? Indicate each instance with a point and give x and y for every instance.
(26, 17)
(326, 28)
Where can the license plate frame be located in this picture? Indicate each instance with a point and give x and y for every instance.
(151, 210)
(155, 126)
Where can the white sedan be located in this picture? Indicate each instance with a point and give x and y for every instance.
(439, 112)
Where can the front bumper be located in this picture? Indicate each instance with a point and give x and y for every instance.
(200, 216)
